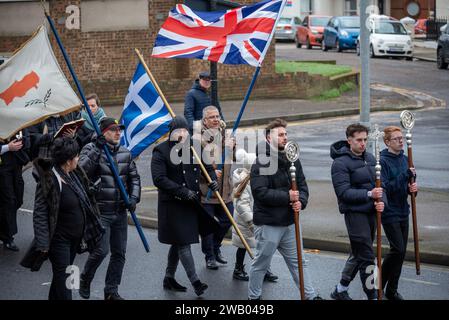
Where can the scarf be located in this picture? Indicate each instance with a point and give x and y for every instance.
(97, 116)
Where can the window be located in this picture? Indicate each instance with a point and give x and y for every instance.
(389, 27)
(350, 22)
(350, 8)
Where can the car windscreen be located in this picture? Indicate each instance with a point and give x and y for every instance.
(389, 27)
(285, 20)
(350, 23)
(319, 21)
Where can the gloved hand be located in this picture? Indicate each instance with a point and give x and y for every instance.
(100, 142)
(191, 195)
(132, 205)
(213, 185)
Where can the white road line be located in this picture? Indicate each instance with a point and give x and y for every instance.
(26, 210)
(420, 281)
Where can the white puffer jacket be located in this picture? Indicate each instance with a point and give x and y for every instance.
(243, 210)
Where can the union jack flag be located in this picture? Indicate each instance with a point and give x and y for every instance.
(237, 36)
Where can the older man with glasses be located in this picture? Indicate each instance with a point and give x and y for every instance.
(197, 99)
(395, 179)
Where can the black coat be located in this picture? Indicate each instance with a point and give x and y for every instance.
(353, 176)
(47, 201)
(179, 220)
(271, 192)
(95, 163)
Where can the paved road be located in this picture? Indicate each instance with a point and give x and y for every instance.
(416, 75)
(144, 272)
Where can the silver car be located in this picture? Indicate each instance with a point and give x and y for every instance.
(286, 28)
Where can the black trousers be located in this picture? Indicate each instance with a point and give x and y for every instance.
(397, 234)
(62, 254)
(361, 230)
(11, 199)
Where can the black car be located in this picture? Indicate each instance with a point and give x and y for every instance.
(443, 49)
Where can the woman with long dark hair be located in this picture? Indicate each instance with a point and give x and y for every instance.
(66, 217)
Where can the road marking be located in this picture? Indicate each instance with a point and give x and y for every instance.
(420, 281)
(26, 210)
(149, 189)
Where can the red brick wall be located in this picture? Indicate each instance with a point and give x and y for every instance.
(399, 8)
(105, 61)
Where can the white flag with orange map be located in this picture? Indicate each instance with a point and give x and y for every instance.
(33, 86)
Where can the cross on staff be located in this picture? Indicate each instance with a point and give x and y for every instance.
(375, 135)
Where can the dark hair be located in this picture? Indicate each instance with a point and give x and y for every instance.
(355, 127)
(276, 123)
(93, 96)
(64, 149)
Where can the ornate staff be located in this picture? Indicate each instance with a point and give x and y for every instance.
(408, 122)
(376, 135)
(292, 153)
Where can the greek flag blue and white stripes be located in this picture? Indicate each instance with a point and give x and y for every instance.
(145, 115)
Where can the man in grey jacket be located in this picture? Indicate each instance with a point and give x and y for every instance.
(112, 207)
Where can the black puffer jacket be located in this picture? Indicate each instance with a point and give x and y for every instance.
(95, 163)
(352, 176)
(271, 191)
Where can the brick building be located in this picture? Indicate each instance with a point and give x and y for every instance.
(100, 37)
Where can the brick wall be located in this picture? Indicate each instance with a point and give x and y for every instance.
(105, 61)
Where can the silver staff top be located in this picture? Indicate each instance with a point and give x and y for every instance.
(375, 135)
(292, 151)
(407, 120)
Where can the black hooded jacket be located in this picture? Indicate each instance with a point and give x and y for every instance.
(271, 190)
(353, 176)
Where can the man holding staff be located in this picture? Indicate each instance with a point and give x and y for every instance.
(353, 177)
(274, 205)
(395, 180)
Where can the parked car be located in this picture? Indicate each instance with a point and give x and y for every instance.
(443, 49)
(421, 26)
(388, 38)
(341, 33)
(310, 32)
(286, 28)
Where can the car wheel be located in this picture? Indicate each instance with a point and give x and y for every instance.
(298, 44)
(323, 45)
(440, 60)
(357, 49)
(308, 45)
(337, 45)
(409, 58)
(371, 52)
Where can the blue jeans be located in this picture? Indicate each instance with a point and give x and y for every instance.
(114, 238)
(210, 245)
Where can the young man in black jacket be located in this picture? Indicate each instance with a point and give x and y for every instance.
(112, 207)
(353, 177)
(395, 180)
(274, 206)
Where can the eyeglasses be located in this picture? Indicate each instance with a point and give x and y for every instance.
(205, 79)
(397, 139)
(115, 129)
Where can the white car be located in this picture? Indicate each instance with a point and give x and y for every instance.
(388, 38)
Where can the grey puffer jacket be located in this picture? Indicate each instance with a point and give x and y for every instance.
(243, 210)
(95, 163)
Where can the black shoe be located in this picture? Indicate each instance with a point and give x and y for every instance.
(211, 264)
(112, 296)
(219, 258)
(10, 245)
(340, 295)
(172, 284)
(270, 277)
(240, 273)
(317, 298)
(199, 287)
(396, 296)
(84, 290)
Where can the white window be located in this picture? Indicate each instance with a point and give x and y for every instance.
(350, 8)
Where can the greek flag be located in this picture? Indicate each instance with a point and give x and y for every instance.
(145, 115)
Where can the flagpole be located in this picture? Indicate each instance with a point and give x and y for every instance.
(170, 110)
(119, 182)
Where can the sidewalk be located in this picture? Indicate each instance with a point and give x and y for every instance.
(324, 227)
(425, 50)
